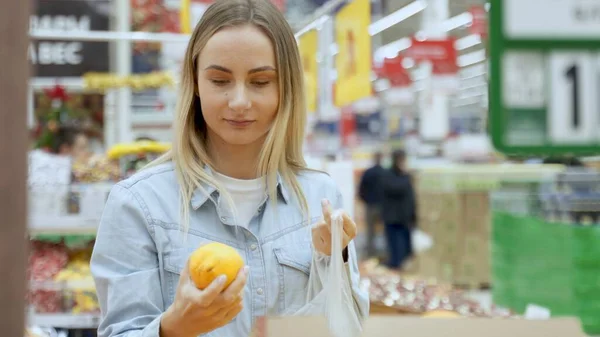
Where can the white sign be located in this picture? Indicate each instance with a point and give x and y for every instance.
(573, 109)
(552, 19)
(523, 84)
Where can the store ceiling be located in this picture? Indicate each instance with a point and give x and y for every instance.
(471, 99)
(412, 25)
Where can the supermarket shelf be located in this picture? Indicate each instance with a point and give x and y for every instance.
(68, 224)
(65, 321)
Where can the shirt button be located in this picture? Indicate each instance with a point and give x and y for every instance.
(259, 291)
(253, 247)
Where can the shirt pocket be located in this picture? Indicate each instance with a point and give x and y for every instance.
(293, 270)
(174, 262)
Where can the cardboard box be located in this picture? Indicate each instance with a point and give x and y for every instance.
(393, 325)
(427, 265)
(459, 224)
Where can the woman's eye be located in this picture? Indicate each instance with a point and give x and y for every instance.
(219, 82)
(260, 83)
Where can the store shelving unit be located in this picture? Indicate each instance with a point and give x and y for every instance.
(68, 224)
(65, 321)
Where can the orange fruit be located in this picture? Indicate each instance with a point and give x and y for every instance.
(213, 260)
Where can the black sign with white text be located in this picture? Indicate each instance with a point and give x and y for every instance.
(69, 58)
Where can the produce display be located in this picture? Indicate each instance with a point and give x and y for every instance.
(106, 81)
(441, 314)
(60, 279)
(134, 156)
(212, 260)
(411, 295)
(96, 169)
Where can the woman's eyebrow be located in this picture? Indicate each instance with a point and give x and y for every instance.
(261, 69)
(251, 71)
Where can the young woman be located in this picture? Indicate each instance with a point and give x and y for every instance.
(235, 175)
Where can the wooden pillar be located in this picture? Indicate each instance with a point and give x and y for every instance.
(14, 75)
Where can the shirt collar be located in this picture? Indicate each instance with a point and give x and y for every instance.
(207, 191)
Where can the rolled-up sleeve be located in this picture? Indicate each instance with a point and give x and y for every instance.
(125, 268)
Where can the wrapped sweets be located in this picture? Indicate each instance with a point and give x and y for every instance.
(46, 260)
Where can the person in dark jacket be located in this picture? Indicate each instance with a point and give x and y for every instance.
(398, 210)
(370, 192)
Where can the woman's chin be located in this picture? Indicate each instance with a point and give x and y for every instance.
(241, 141)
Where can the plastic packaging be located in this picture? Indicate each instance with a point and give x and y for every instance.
(329, 291)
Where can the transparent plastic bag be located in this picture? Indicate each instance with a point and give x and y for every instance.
(421, 241)
(329, 291)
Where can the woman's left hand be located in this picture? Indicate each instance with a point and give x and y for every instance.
(321, 233)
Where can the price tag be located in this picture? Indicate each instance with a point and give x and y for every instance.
(573, 109)
(524, 78)
(552, 19)
(544, 97)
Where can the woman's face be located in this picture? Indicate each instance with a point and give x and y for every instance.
(238, 85)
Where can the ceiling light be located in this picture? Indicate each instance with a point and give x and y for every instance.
(313, 25)
(397, 17)
(391, 50)
(471, 58)
(467, 42)
(458, 21)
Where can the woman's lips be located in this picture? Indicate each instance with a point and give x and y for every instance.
(238, 123)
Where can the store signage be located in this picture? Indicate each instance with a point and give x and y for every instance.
(440, 53)
(570, 19)
(442, 56)
(69, 58)
(353, 60)
(479, 24)
(393, 70)
(308, 45)
(545, 78)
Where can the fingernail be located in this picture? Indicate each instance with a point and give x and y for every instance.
(324, 202)
(246, 270)
(221, 279)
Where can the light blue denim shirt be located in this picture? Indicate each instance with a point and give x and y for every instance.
(140, 251)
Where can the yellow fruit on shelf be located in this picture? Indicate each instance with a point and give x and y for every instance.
(441, 314)
(213, 260)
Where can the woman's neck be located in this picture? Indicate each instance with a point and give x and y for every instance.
(235, 161)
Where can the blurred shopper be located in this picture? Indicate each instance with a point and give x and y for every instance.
(72, 142)
(398, 210)
(235, 175)
(371, 193)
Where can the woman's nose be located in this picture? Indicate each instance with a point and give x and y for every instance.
(240, 101)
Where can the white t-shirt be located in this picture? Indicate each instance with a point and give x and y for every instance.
(247, 196)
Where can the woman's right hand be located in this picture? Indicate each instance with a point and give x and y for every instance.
(195, 312)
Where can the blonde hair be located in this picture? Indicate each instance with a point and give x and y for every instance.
(282, 150)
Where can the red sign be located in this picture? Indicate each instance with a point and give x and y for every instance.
(440, 53)
(348, 128)
(393, 70)
(479, 25)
